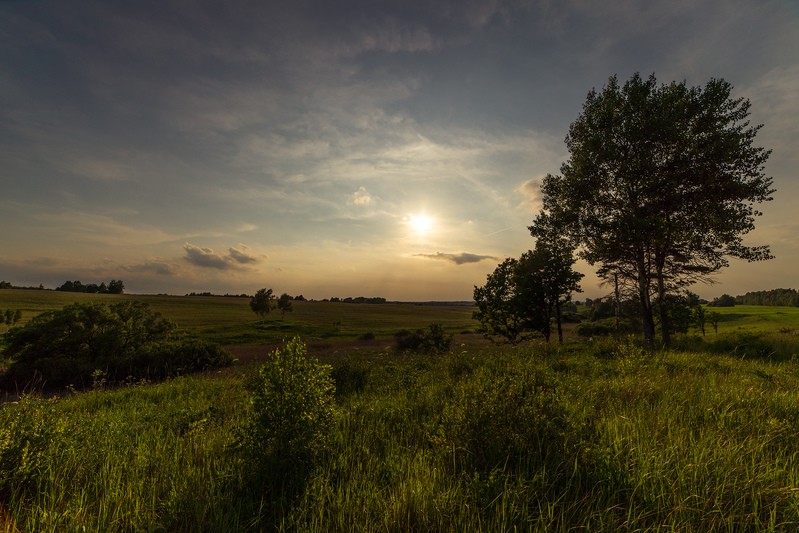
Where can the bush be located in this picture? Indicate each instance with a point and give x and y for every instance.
(605, 327)
(28, 429)
(432, 340)
(349, 377)
(292, 416)
(506, 416)
(123, 340)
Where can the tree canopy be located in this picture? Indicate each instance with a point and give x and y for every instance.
(660, 186)
(262, 302)
(524, 295)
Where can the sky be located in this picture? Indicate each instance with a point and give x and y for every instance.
(388, 148)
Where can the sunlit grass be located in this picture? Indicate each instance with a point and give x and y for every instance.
(676, 441)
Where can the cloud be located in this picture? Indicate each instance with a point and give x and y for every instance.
(361, 197)
(459, 259)
(204, 257)
(162, 268)
(531, 190)
(242, 255)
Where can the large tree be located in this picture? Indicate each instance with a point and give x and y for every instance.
(660, 186)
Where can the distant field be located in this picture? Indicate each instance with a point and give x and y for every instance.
(229, 320)
(754, 318)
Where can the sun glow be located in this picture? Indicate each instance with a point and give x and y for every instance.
(420, 224)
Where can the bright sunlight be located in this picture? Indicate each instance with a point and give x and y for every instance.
(420, 224)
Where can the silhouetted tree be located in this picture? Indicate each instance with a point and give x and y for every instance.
(262, 303)
(660, 186)
(284, 304)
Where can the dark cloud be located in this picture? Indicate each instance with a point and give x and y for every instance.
(207, 258)
(459, 259)
(161, 268)
(242, 255)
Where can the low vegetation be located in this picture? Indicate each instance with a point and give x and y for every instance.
(86, 343)
(597, 435)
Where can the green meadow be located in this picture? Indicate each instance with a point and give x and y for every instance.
(594, 435)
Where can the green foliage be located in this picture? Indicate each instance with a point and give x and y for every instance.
(725, 300)
(525, 295)
(292, 417)
(506, 415)
(584, 437)
(124, 340)
(28, 430)
(433, 340)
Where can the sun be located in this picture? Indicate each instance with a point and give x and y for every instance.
(420, 224)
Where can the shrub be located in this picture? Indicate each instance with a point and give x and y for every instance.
(292, 417)
(27, 431)
(502, 416)
(606, 327)
(349, 377)
(431, 340)
(126, 339)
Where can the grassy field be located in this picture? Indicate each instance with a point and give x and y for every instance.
(229, 320)
(757, 318)
(595, 435)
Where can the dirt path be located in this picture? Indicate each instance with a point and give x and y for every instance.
(321, 349)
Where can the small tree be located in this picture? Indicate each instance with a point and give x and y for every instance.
(525, 295)
(116, 286)
(284, 304)
(262, 303)
(714, 318)
(700, 317)
(499, 307)
(292, 417)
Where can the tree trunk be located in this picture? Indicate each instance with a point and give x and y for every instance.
(647, 320)
(665, 324)
(559, 321)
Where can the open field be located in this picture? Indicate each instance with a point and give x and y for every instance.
(595, 435)
(754, 318)
(229, 320)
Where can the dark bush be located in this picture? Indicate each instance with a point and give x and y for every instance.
(349, 377)
(124, 340)
(606, 327)
(431, 340)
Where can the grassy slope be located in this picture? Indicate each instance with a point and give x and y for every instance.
(683, 441)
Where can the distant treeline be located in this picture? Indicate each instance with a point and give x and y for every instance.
(779, 297)
(7, 285)
(115, 286)
(357, 300)
(226, 295)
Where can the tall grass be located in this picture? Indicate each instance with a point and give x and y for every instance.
(524, 439)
